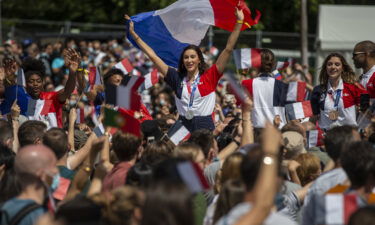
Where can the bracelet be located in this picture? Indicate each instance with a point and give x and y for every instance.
(237, 142)
(136, 38)
(239, 21)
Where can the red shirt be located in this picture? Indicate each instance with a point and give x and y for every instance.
(117, 176)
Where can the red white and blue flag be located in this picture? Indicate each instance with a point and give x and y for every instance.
(280, 65)
(178, 133)
(80, 115)
(193, 177)
(314, 138)
(125, 95)
(298, 110)
(125, 66)
(186, 22)
(150, 79)
(94, 78)
(236, 88)
(21, 80)
(42, 110)
(296, 91)
(245, 58)
(277, 75)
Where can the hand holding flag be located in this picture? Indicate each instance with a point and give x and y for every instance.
(15, 111)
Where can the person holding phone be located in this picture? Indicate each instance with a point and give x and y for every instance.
(335, 99)
(193, 82)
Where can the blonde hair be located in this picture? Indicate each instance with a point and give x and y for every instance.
(309, 169)
(231, 168)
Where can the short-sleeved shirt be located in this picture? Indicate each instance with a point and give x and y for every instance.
(204, 96)
(323, 102)
(117, 176)
(15, 205)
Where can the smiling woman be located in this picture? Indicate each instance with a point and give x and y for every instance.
(193, 83)
(334, 101)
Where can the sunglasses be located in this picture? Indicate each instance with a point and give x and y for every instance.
(358, 53)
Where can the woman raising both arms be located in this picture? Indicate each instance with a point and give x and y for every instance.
(193, 83)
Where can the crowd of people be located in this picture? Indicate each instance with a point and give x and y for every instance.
(243, 162)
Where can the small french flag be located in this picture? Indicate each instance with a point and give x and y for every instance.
(125, 66)
(314, 138)
(125, 95)
(277, 75)
(42, 110)
(193, 177)
(80, 115)
(298, 110)
(178, 133)
(150, 79)
(339, 207)
(245, 58)
(296, 91)
(94, 78)
(236, 87)
(280, 65)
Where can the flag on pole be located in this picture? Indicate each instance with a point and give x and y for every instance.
(94, 78)
(236, 88)
(21, 80)
(125, 66)
(125, 95)
(298, 110)
(245, 58)
(43, 110)
(123, 120)
(150, 79)
(280, 65)
(178, 133)
(193, 177)
(314, 138)
(296, 91)
(186, 22)
(80, 115)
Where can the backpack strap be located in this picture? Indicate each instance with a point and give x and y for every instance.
(16, 219)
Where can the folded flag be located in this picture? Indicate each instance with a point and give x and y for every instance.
(178, 133)
(339, 207)
(298, 110)
(99, 130)
(314, 138)
(236, 88)
(245, 58)
(125, 95)
(193, 177)
(168, 31)
(280, 65)
(21, 80)
(125, 66)
(122, 120)
(277, 75)
(150, 79)
(296, 91)
(80, 115)
(62, 189)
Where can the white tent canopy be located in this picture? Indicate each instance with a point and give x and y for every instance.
(340, 27)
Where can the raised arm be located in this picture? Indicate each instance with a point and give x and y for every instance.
(72, 60)
(159, 63)
(224, 56)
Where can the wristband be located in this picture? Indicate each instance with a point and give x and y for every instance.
(239, 21)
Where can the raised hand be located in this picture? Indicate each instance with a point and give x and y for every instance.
(15, 110)
(131, 24)
(73, 115)
(271, 139)
(239, 12)
(72, 59)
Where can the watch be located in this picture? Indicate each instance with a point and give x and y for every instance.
(268, 160)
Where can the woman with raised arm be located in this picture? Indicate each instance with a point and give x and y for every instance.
(193, 83)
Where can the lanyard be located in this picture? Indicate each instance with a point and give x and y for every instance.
(195, 85)
(337, 99)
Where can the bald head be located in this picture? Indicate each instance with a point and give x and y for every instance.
(34, 158)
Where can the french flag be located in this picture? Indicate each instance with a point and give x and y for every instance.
(314, 138)
(277, 75)
(193, 177)
(236, 87)
(298, 110)
(42, 110)
(280, 65)
(296, 91)
(80, 115)
(125, 66)
(245, 58)
(168, 31)
(94, 77)
(178, 133)
(125, 95)
(339, 207)
(150, 79)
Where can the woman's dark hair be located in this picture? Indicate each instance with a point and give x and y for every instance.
(267, 61)
(168, 204)
(140, 175)
(32, 66)
(202, 65)
(232, 193)
(112, 72)
(8, 182)
(348, 75)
